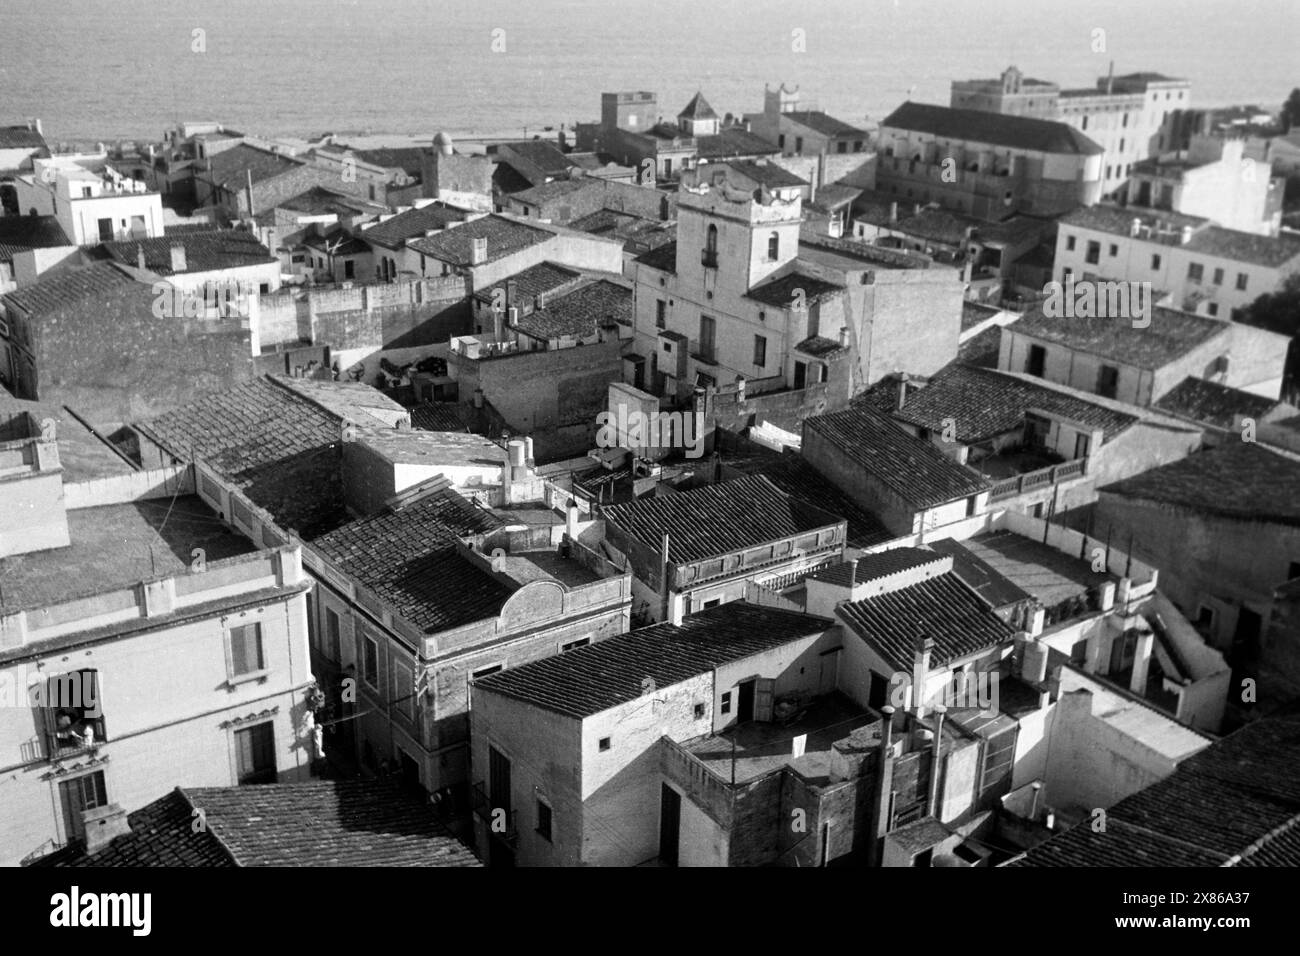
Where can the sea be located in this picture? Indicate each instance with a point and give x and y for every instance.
(398, 70)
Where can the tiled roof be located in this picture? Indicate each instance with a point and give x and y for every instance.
(455, 245)
(20, 137)
(405, 158)
(717, 519)
(591, 679)
(531, 282)
(580, 312)
(20, 233)
(1170, 336)
(834, 196)
(913, 469)
(1241, 480)
(204, 251)
(230, 167)
(663, 258)
(314, 823)
(1119, 222)
(1212, 403)
(825, 124)
(58, 289)
(1269, 251)
(393, 233)
(941, 608)
(937, 225)
(878, 564)
(984, 403)
(1235, 803)
(437, 417)
(281, 449)
(556, 189)
(545, 156)
(162, 834)
(819, 347)
(972, 314)
(769, 174)
(336, 242)
(1020, 132)
(733, 141)
(796, 477)
(697, 108)
(318, 199)
(780, 291)
(408, 557)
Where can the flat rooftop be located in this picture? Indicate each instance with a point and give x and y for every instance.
(114, 546)
(528, 566)
(82, 455)
(1040, 571)
(761, 747)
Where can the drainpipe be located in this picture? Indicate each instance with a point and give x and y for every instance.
(937, 759)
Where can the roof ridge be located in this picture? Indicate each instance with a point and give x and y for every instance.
(208, 829)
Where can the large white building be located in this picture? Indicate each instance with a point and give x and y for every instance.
(92, 205)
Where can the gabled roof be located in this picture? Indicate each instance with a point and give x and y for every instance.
(314, 823)
(580, 312)
(21, 233)
(504, 237)
(913, 469)
(531, 282)
(20, 137)
(1019, 132)
(281, 448)
(941, 608)
(1167, 226)
(733, 141)
(209, 251)
(1234, 803)
(985, 403)
(545, 156)
(1170, 336)
(557, 189)
(663, 258)
(407, 555)
(877, 564)
(1241, 480)
(824, 123)
(717, 519)
(1268, 251)
(781, 291)
(768, 174)
(393, 233)
(69, 286)
(697, 108)
(231, 167)
(1213, 404)
(588, 680)
(405, 158)
(796, 477)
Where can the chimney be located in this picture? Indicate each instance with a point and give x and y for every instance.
(103, 825)
(571, 521)
(893, 212)
(853, 576)
(139, 257)
(884, 784)
(902, 391)
(1037, 787)
(844, 337)
(664, 571)
(512, 292)
(1110, 79)
(528, 450)
(478, 252)
(920, 669)
(178, 257)
(936, 759)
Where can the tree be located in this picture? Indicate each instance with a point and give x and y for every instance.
(1291, 110)
(1280, 312)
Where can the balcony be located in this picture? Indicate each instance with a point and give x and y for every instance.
(709, 258)
(483, 809)
(706, 352)
(1051, 475)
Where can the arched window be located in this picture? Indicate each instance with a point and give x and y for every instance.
(774, 246)
(711, 242)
